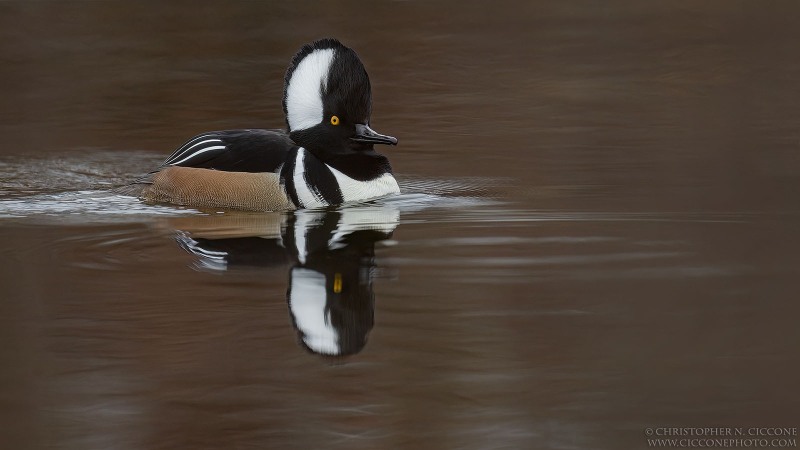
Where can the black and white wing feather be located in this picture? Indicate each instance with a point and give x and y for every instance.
(230, 150)
(234, 151)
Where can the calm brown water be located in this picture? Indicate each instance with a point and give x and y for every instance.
(599, 231)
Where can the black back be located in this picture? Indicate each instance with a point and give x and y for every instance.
(234, 151)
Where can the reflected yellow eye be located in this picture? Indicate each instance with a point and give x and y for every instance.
(337, 281)
(334, 120)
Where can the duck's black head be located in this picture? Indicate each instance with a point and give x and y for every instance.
(327, 100)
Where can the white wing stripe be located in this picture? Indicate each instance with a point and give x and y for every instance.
(199, 137)
(207, 149)
(187, 148)
(191, 142)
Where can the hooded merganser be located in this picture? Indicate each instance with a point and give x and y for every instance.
(326, 158)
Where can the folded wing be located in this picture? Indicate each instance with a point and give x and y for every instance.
(253, 151)
(233, 151)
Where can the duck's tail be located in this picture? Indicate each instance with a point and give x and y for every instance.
(135, 189)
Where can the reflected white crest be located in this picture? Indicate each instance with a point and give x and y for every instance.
(307, 304)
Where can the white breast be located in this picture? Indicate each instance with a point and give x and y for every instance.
(354, 190)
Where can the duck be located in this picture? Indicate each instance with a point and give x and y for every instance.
(325, 157)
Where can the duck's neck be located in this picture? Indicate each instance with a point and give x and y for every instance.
(363, 164)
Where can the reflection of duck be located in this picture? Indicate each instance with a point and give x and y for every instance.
(330, 287)
(332, 254)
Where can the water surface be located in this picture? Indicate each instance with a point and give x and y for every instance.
(598, 230)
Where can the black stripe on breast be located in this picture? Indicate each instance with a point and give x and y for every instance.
(287, 176)
(362, 165)
(321, 180)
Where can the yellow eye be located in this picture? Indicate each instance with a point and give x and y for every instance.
(334, 120)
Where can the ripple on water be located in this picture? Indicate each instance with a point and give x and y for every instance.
(85, 206)
(74, 188)
(462, 186)
(72, 171)
(109, 248)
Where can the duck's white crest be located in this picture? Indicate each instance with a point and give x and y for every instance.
(304, 93)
